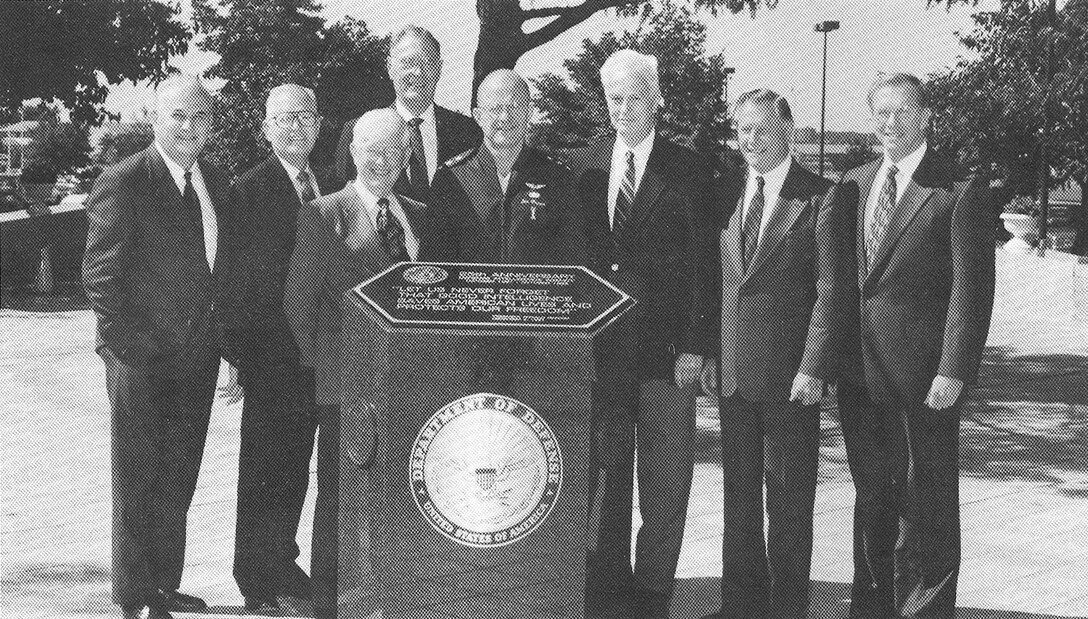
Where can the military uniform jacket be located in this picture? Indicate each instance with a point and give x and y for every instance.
(536, 221)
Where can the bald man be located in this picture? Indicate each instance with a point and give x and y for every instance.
(149, 272)
(278, 415)
(343, 239)
(504, 201)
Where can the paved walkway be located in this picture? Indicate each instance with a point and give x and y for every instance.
(1024, 480)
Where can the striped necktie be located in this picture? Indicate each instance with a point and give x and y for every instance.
(625, 199)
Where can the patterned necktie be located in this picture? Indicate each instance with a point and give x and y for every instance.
(625, 199)
(417, 162)
(191, 204)
(305, 187)
(392, 233)
(752, 220)
(882, 215)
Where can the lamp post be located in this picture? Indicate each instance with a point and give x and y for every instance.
(824, 27)
(1044, 159)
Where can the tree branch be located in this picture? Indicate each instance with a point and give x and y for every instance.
(568, 18)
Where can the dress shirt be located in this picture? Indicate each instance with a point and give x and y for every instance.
(905, 172)
(207, 210)
(370, 206)
(772, 188)
(429, 131)
(293, 172)
(620, 149)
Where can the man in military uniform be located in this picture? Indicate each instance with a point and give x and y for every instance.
(505, 201)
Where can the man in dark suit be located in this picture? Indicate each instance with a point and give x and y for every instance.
(505, 201)
(642, 199)
(149, 273)
(776, 266)
(435, 134)
(278, 416)
(345, 238)
(923, 291)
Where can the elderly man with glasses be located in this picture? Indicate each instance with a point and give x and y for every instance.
(278, 418)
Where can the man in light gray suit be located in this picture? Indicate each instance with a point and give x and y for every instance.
(343, 239)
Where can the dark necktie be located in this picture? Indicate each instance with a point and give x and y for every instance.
(625, 198)
(305, 187)
(752, 220)
(882, 215)
(191, 204)
(392, 233)
(417, 161)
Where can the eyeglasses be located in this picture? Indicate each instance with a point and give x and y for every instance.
(290, 119)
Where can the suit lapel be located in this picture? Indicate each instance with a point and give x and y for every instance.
(593, 187)
(358, 235)
(787, 209)
(915, 196)
(866, 176)
(649, 188)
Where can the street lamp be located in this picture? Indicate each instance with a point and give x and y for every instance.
(824, 27)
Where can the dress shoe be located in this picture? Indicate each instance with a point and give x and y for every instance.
(158, 613)
(268, 607)
(296, 583)
(177, 602)
(133, 612)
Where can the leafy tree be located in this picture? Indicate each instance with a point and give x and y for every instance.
(991, 108)
(121, 140)
(62, 51)
(56, 149)
(505, 35)
(264, 44)
(573, 111)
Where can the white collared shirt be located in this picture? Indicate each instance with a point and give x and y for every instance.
(772, 189)
(370, 205)
(293, 172)
(905, 169)
(620, 149)
(429, 131)
(209, 223)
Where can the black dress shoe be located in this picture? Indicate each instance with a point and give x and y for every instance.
(296, 582)
(177, 602)
(133, 612)
(158, 613)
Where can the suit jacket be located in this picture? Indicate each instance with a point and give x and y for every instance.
(332, 255)
(777, 317)
(456, 134)
(923, 306)
(144, 269)
(259, 241)
(536, 221)
(656, 257)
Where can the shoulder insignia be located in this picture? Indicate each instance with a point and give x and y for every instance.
(459, 158)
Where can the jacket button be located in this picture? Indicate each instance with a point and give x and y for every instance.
(615, 267)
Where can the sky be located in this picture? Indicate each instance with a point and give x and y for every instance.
(777, 49)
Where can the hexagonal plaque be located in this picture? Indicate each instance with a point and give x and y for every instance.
(486, 296)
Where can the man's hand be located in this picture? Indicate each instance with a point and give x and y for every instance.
(806, 389)
(944, 392)
(709, 378)
(688, 367)
(231, 390)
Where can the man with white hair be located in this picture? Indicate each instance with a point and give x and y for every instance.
(278, 416)
(345, 238)
(149, 271)
(643, 200)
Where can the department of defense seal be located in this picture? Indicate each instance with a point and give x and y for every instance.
(425, 274)
(486, 470)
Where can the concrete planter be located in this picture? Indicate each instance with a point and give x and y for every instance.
(1024, 229)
